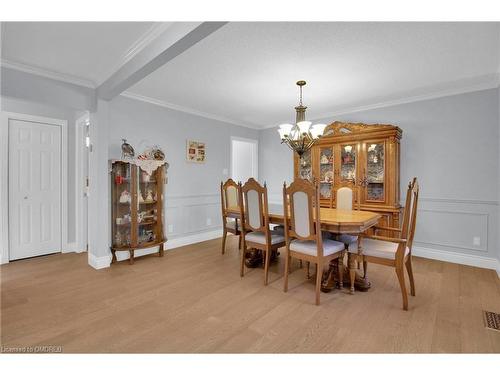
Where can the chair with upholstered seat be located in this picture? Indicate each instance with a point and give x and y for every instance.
(304, 240)
(256, 233)
(229, 197)
(394, 252)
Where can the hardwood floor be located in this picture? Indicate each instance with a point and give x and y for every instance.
(193, 300)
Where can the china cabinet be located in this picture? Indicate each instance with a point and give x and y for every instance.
(137, 205)
(357, 154)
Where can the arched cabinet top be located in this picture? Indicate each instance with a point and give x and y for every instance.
(346, 129)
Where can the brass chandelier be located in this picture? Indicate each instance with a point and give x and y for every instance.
(301, 136)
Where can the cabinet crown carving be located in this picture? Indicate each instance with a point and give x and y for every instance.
(339, 128)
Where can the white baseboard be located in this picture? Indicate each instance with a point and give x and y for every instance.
(99, 262)
(193, 238)
(105, 261)
(71, 247)
(466, 259)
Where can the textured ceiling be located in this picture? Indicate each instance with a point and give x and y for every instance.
(247, 71)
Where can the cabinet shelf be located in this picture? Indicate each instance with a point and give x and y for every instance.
(143, 223)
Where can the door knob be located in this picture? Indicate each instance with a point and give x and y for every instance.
(25, 197)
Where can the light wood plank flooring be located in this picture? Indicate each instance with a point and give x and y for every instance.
(193, 300)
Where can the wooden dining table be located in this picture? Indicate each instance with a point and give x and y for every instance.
(335, 221)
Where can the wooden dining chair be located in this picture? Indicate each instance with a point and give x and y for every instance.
(256, 232)
(304, 240)
(394, 252)
(229, 198)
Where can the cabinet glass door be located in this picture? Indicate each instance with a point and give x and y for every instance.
(326, 172)
(348, 160)
(122, 204)
(147, 212)
(375, 172)
(305, 166)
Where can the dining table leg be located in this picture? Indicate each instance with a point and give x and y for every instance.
(255, 258)
(331, 280)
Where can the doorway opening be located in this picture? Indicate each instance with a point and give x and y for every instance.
(244, 159)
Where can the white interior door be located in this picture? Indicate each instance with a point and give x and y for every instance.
(244, 159)
(34, 189)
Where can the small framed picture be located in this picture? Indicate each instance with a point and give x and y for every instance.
(195, 152)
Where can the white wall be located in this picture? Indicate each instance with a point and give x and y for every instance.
(452, 145)
(192, 196)
(498, 187)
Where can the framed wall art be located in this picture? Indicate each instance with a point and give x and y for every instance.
(195, 151)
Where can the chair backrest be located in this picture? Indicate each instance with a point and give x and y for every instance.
(301, 212)
(255, 213)
(410, 213)
(229, 194)
(346, 196)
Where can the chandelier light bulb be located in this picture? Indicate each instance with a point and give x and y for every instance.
(304, 126)
(283, 133)
(317, 130)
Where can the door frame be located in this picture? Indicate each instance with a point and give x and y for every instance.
(249, 140)
(4, 173)
(82, 124)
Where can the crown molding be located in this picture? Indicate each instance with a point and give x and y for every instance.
(143, 41)
(192, 111)
(47, 73)
(479, 83)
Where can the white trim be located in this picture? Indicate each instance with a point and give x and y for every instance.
(4, 188)
(193, 238)
(4, 173)
(99, 262)
(42, 72)
(460, 201)
(144, 40)
(478, 83)
(453, 257)
(192, 111)
(105, 261)
(81, 156)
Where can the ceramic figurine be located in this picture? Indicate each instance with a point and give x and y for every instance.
(149, 196)
(118, 238)
(125, 197)
(157, 153)
(127, 150)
